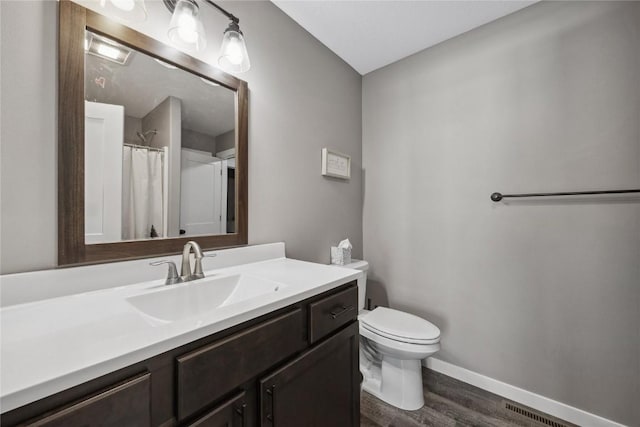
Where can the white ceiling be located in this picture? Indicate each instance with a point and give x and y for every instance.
(371, 34)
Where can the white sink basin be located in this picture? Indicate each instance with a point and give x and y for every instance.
(185, 300)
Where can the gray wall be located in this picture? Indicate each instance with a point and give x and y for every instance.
(198, 141)
(302, 98)
(28, 151)
(166, 118)
(132, 125)
(226, 141)
(542, 295)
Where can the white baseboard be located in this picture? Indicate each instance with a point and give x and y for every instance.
(532, 400)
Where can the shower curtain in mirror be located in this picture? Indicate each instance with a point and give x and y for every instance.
(142, 193)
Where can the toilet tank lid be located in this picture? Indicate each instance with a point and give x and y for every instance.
(357, 264)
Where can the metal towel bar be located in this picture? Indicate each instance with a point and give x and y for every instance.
(496, 197)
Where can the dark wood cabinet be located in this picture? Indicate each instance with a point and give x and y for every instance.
(232, 413)
(318, 388)
(125, 404)
(207, 373)
(297, 366)
(332, 312)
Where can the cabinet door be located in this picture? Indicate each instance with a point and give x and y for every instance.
(232, 413)
(319, 388)
(126, 404)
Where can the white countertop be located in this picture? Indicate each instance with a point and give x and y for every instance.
(54, 344)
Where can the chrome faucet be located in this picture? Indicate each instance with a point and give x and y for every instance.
(185, 273)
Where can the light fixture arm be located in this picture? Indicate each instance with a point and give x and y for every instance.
(224, 12)
(171, 5)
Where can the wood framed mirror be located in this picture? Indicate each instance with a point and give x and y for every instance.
(95, 54)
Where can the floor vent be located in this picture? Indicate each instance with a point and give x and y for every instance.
(532, 414)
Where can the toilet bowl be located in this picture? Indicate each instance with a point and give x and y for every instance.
(392, 346)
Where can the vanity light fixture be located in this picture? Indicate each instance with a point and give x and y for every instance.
(233, 54)
(186, 31)
(126, 10)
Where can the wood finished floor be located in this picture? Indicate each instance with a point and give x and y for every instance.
(448, 402)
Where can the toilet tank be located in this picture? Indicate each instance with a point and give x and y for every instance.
(363, 266)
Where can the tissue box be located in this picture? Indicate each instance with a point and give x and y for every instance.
(340, 256)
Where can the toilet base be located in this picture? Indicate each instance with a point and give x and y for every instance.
(396, 382)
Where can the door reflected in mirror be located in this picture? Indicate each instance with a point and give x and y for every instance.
(160, 146)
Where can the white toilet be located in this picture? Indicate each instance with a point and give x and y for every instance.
(392, 347)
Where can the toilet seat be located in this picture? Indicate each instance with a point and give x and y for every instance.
(399, 326)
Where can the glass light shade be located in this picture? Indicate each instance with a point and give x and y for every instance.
(185, 29)
(125, 10)
(233, 56)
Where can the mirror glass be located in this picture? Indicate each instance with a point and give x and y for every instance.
(160, 145)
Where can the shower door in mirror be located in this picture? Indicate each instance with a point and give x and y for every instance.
(160, 147)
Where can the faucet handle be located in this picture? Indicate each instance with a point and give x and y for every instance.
(172, 272)
(197, 269)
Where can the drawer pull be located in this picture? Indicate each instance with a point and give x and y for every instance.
(241, 411)
(271, 391)
(345, 309)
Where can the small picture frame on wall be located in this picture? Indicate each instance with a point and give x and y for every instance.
(336, 165)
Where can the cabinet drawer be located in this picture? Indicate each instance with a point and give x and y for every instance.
(210, 372)
(231, 413)
(331, 312)
(125, 404)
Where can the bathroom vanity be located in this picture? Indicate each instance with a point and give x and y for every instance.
(288, 357)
